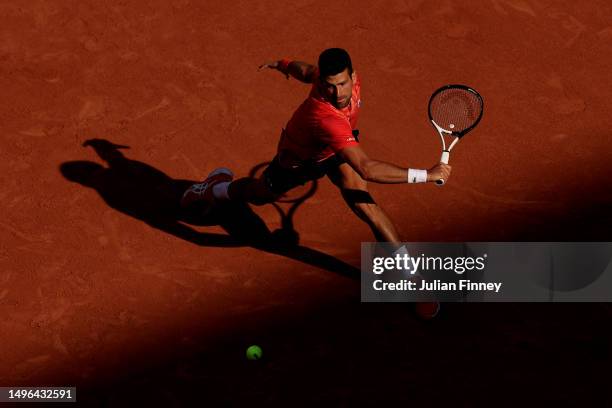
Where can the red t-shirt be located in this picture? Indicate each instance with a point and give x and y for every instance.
(317, 130)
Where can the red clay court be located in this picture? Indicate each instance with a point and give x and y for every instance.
(110, 109)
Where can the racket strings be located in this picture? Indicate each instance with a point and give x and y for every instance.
(455, 109)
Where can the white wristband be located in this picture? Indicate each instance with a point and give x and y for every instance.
(417, 176)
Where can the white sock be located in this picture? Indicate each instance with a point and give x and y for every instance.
(220, 190)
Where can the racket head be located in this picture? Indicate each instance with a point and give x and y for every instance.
(456, 108)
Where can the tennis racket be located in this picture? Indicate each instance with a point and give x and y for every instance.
(454, 110)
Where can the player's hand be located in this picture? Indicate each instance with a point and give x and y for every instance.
(439, 171)
(271, 65)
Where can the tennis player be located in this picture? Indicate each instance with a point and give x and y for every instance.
(320, 139)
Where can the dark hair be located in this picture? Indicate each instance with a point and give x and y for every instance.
(333, 61)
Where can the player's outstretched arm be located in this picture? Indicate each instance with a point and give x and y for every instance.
(302, 71)
(387, 173)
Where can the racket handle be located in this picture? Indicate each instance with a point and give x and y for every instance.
(445, 156)
(443, 159)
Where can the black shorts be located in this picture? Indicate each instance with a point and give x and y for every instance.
(280, 180)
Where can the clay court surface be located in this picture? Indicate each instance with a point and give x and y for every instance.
(106, 286)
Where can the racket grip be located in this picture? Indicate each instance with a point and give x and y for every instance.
(443, 159)
(445, 156)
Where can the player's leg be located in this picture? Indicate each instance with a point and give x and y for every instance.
(269, 187)
(354, 190)
(252, 190)
(220, 187)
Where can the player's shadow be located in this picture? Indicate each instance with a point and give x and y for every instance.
(146, 193)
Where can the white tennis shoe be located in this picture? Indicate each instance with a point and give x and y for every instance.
(203, 192)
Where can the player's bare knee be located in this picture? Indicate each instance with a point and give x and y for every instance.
(345, 177)
(353, 182)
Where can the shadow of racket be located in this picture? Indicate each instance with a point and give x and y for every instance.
(286, 235)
